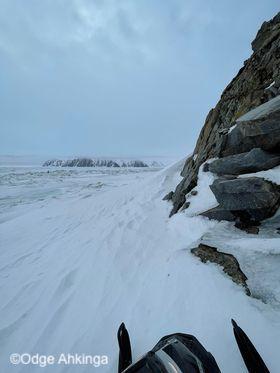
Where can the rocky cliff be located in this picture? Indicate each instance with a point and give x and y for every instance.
(89, 162)
(244, 142)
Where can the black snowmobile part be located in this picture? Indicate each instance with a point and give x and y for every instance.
(149, 363)
(183, 349)
(250, 355)
(207, 360)
(125, 357)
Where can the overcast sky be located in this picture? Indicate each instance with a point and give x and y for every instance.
(118, 77)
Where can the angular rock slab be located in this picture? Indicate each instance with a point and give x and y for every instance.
(218, 213)
(252, 161)
(249, 198)
(228, 262)
(168, 196)
(260, 133)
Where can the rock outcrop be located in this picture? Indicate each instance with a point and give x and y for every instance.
(228, 262)
(168, 196)
(78, 162)
(261, 133)
(88, 162)
(268, 32)
(257, 82)
(219, 213)
(250, 199)
(253, 161)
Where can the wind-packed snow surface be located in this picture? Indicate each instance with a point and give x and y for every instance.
(100, 249)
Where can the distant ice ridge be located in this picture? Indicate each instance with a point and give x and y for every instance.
(89, 162)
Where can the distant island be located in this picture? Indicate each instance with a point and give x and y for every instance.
(89, 162)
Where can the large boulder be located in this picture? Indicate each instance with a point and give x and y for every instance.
(242, 221)
(228, 262)
(219, 213)
(251, 199)
(261, 133)
(245, 92)
(253, 161)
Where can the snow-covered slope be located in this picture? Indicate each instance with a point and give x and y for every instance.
(75, 267)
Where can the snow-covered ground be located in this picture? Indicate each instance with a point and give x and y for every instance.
(82, 251)
(23, 187)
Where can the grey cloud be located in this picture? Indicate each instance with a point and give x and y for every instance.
(117, 77)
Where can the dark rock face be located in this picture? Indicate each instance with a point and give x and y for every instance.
(53, 162)
(219, 213)
(78, 162)
(179, 196)
(253, 161)
(260, 133)
(250, 199)
(246, 91)
(228, 262)
(88, 162)
(251, 229)
(267, 33)
(194, 192)
(186, 205)
(105, 163)
(168, 196)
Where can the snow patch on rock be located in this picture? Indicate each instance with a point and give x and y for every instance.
(204, 199)
(272, 175)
